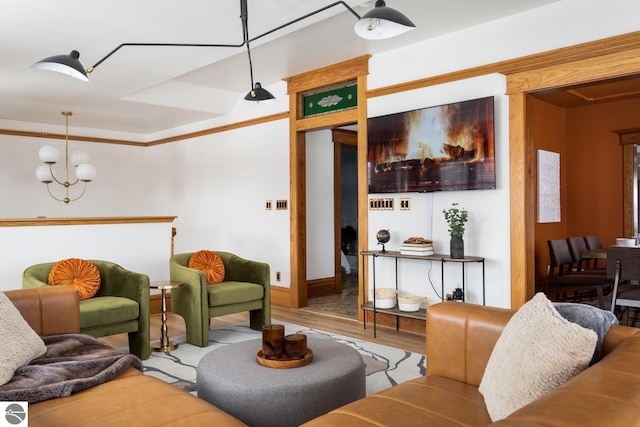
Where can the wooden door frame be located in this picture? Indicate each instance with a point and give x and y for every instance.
(356, 70)
(585, 69)
(629, 139)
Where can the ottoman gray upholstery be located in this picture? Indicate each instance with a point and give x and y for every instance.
(231, 379)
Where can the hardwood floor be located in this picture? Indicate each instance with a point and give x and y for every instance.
(351, 328)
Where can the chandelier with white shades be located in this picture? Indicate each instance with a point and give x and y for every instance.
(84, 171)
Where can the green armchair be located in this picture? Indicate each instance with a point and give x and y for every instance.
(121, 304)
(245, 288)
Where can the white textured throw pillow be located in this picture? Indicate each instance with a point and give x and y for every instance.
(19, 344)
(537, 351)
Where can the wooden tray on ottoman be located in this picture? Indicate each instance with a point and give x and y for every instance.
(285, 362)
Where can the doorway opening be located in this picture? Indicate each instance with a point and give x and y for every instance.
(341, 299)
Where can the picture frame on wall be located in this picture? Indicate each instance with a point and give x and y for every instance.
(548, 186)
(441, 148)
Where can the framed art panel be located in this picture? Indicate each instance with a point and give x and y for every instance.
(548, 186)
(448, 147)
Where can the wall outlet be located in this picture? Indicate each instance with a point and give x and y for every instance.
(449, 297)
(277, 276)
(405, 203)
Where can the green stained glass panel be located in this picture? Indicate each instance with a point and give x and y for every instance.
(330, 100)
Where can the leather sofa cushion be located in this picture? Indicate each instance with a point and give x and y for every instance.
(129, 399)
(107, 310)
(226, 293)
(425, 401)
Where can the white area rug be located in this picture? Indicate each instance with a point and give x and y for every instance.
(385, 366)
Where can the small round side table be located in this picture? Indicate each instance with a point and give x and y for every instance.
(165, 344)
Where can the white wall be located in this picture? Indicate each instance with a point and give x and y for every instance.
(136, 247)
(217, 184)
(487, 232)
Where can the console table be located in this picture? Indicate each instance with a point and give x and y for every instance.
(420, 314)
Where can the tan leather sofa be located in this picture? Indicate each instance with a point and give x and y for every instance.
(460, 338)
(130, 399)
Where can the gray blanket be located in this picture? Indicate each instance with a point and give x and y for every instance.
(590, 317)
(73, 362)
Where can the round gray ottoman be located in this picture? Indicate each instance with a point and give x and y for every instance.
(231, 379)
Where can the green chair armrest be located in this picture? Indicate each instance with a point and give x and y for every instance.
(238, 269)
(37, 276)
(117, 281)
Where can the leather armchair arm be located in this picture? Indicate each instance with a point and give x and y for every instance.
(49, 310)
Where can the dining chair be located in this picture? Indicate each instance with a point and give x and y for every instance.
(567, 284)
(623, 267)
(593, 242)
(578, 245)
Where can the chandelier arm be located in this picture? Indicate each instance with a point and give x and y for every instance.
(90, 69)
(244, 17)
(53, 175)
(52, 196)
(67, 199)
(243, 7)
(322, 9)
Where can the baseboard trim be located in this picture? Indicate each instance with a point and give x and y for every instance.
(281, 296)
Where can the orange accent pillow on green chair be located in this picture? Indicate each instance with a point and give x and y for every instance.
(210, 263)
(81, 274)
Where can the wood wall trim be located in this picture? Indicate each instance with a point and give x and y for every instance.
(612, 65)
(629, 200)
(29, 222)
(629, 137)
(324, 121)
(363, 196)
(71, 137)
(345, 136)
(223, 128)
(329, 75)
(209, 131)
(582, 51)
(522, 202)
(280, 296)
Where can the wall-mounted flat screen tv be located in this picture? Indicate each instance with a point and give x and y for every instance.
(448, 147)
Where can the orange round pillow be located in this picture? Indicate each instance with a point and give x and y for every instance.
(210, 263)
(76, 272)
